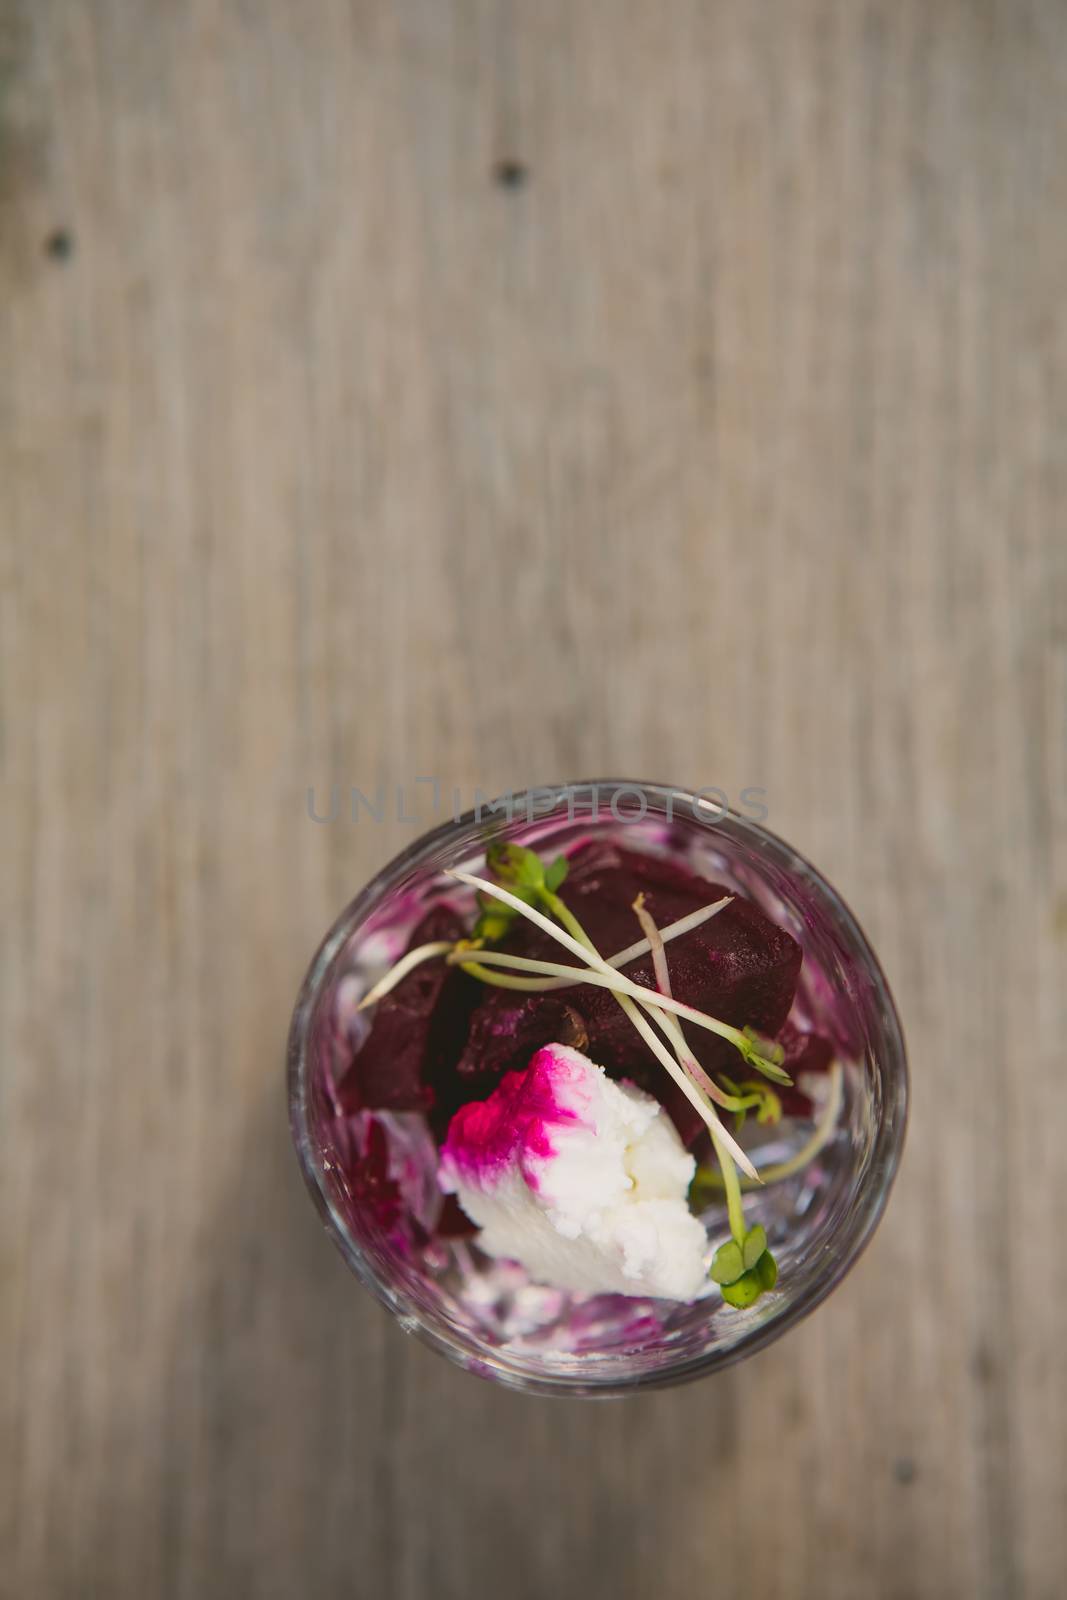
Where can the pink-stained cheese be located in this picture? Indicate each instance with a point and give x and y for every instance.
(520, 1121)
(582, 1180)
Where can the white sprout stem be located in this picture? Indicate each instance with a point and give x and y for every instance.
(673, 930)
(676, 1037)
(671, 1029)
(655, 944)
(691, 1072)
(440, 947)
(553, 929)
(693, 1093)
(626, 993)
(466, 962)
(414, 958)
(471, 962)
(603, 976)
(504, 958)
(622, 958)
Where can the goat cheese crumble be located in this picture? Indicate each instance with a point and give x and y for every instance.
(582, 1180)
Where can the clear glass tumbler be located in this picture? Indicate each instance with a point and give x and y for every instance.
(485, 1314)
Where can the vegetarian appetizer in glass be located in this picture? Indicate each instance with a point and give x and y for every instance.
(599, 1098)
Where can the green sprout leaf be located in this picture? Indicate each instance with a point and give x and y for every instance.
(515, 866)
(495, 919)
(765, 1055)
(753, 1093)
(743, 1288)
(745, 1292)
(767, 1271)
(728, 1263)
(555, 873)
(768, 1049)
(770, 1106)
(491, 928)
(496, 916)
(755, 1245)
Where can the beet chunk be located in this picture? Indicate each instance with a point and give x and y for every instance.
(440, 1038)
(739, 967)
(509, 1027)
(418, 1030)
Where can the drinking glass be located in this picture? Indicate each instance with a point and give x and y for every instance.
(372, 1175)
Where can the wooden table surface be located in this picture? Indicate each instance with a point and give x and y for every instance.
(505, 392)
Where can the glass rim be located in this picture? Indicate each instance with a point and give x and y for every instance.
(886, 1148)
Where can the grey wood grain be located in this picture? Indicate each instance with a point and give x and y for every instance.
(727, 448)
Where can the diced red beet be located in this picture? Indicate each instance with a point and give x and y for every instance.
(417, 1032)
(739, 967)
(804, 1052)
(508, 1027)
(440, 1039)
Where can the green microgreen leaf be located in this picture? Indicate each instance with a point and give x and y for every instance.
(769, 1049)
(767, 1271)
(495, 919)
(490, 928)
(766, 1055)
(515, 866)
(555, 873)
(755, 1245)
(744, 1292)
(728, 1263)
(742, 1288)
(753, 1094)
(770, 1106)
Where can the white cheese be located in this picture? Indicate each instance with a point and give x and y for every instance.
(581, 1180)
